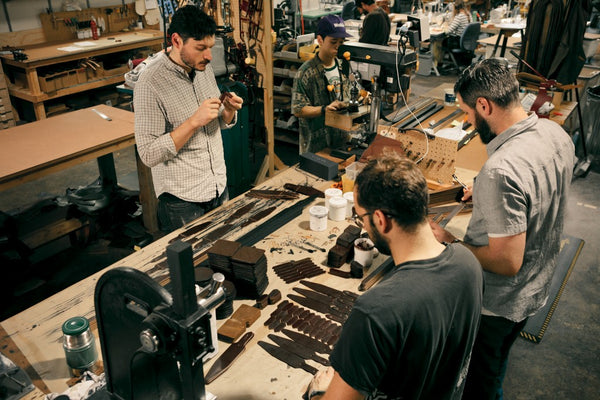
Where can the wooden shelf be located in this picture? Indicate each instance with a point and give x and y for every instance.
(27, 85)
(26, 94)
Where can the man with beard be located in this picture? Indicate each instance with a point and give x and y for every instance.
(519, 201)
(410, 336)
(178, 122)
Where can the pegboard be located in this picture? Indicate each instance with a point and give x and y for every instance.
(59, 26)
(439, 163)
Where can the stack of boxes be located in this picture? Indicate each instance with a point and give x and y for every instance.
(7, 118)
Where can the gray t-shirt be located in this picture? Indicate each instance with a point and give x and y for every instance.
(523, 187)
(410, 337)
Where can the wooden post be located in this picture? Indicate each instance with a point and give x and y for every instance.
(267, 51)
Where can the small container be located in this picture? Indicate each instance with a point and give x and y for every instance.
(318, 218)
(354, 169)
(349, 196)
(337, 208)
(79, 345)
(331, 192)
(449, 97)
(347, 183)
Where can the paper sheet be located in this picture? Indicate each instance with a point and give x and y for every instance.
(69, 48)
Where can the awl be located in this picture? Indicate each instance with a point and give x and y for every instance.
(225, 360)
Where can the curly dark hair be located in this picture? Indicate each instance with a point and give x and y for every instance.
(396, 186)
(490, 79)
(190, 22)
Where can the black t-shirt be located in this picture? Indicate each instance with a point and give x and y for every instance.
(376, 28)
(411, 336)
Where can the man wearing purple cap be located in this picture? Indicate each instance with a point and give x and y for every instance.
(320, 85)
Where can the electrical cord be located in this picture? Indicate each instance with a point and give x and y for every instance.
(403, 38)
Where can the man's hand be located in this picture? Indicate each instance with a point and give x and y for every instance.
(208, 111)
(441, 234)
(233, 102)
(336, 105)
(321, 381)
(467, 194)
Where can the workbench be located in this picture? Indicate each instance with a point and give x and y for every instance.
(39, 148)
(25, 75)
(36, 333)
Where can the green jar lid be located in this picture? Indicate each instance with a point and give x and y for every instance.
(75, 326)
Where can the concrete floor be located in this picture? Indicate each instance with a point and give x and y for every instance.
(565, 365)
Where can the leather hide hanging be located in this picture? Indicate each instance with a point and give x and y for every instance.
(553, 42)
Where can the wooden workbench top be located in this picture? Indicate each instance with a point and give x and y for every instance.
(36, 332)
(39, 145)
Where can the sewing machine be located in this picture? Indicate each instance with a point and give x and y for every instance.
(153, 342)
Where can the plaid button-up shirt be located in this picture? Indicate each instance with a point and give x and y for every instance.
(164, 97)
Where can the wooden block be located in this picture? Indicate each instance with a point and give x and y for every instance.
(246, 315)
(344, 120)
(231, 330)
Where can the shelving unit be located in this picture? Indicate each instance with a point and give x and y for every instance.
(284, 72)
(27, 79)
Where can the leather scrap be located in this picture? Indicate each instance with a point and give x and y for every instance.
(306, 190)
(272, 194)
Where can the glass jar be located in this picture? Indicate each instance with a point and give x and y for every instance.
(79, 345)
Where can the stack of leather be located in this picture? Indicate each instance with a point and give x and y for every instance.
(293, 271)
(226, 309)
(203, 276)
(219, 256)
(249, 266)
(343, 250)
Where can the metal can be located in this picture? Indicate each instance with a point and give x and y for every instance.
(79, 345)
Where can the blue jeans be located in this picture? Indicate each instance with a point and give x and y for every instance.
(490, 357)
(173, 213)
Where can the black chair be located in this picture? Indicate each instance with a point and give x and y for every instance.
(462, 56)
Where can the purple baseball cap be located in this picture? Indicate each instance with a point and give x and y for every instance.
(332, 25)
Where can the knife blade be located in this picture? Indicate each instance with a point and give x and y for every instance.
(102, 115)
(452, 214)
(298, 349)
(285, 356)
(314, 305)
(307, 341)
(329, 291)
(311, 294)
(225, 360)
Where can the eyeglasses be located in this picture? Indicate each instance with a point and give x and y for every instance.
(358, 219)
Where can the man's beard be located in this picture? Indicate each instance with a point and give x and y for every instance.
(380, 242)
(483, 128)
(186, 61)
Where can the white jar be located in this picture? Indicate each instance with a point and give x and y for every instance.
(318, 218)
(331, 192)
(337, 208)
(349, 196)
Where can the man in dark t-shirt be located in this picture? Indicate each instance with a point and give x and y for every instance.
(409, 337)
(376, 25)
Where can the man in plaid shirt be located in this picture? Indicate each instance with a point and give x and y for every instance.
(178, 122)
